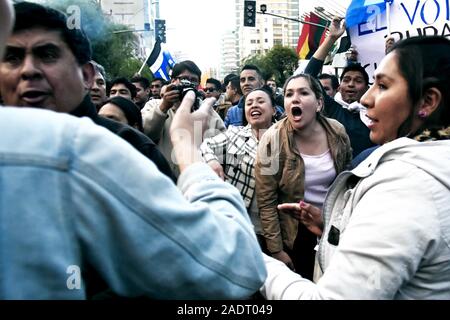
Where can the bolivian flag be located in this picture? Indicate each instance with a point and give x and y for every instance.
(311, 37)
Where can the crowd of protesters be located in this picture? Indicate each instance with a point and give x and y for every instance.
(238, 187)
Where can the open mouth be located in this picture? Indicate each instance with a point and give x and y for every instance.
(33, 97)
(255, 113)
(296, 113)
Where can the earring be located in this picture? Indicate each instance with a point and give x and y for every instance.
(422, 114)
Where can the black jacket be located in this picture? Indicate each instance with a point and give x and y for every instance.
(357, 131)
(137, 139)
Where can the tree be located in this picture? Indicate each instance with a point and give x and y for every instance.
(279, 62)
(284, 61)
(115, 51)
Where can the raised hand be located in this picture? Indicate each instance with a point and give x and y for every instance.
(186, 131)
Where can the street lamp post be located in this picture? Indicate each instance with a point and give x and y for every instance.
(263, 9)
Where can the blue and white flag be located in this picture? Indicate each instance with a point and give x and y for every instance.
(160, 62)
(360, 11)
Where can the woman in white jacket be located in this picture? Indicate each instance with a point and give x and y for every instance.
(386, 231)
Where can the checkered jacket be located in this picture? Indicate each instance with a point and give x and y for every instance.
(235, 149)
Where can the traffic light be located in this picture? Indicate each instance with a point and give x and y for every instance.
(249, 13)
(160, 30)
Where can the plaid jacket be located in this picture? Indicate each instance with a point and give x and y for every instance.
(235, 149)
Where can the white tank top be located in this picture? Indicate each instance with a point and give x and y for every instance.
(319, 174)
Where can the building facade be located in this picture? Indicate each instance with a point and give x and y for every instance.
(136, 15)
(268, 31)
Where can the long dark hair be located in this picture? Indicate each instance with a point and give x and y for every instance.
(425, 63)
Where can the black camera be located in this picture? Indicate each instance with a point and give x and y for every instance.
(186, 86)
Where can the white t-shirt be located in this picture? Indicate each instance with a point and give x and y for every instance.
(319, 174)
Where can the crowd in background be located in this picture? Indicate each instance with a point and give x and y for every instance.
(309, 189)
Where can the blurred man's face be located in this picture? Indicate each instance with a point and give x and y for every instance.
(273, 85)
(113, 112)
(98, 90)
(230, 92)
(155, 89)
(352, 86)
(186, 75)
(211, 91)
(250, 80)
(39, 70)
(120, 90)
(142, 94)
(328, 87)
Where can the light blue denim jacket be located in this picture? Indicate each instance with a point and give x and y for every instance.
(72, 192)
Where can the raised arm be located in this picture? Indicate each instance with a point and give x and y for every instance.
(336, 30)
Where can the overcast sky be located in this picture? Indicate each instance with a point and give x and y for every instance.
(195, 27)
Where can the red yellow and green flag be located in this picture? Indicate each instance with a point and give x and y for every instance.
(311, 36)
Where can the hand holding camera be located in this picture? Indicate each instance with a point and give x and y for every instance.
(186, 86)
(187, 129)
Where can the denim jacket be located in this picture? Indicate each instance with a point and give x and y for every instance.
(72, 193)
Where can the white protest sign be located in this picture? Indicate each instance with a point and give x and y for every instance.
(408, 18)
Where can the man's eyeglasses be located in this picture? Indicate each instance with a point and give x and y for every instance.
(191, 79)
(209, 89)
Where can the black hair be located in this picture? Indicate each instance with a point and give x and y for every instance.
(130, 110)
(215, 82)
(424, 62)
(253, 67)
(236, 84)
(333, 78)
(356, 67)
(226, 80)
(186, 65)
(31, 15)
(163, 82)
(126, 83)
(145, 83)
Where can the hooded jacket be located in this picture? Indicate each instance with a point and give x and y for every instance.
(387, 233)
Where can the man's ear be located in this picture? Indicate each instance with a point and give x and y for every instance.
(431, 100)
(88, 72)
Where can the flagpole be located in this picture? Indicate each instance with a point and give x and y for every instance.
(388, 17)
(292, 19)
(143, 65)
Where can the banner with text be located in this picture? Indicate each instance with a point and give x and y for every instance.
(408, 18)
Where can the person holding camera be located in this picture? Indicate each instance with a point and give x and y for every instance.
(158, 113)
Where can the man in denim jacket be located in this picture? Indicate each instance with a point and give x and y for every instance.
(111, 208)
